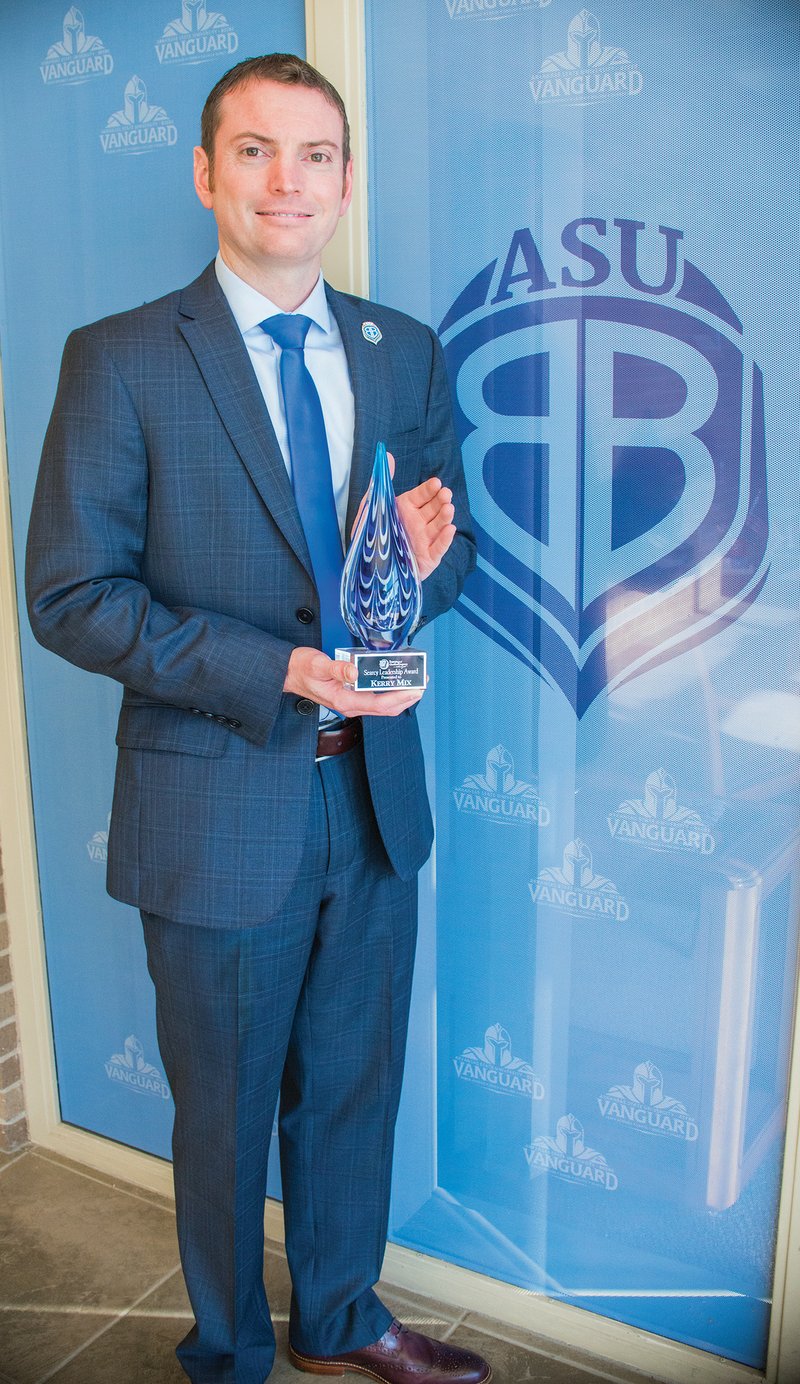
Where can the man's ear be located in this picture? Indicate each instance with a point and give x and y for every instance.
(347, 192)
(203, 183)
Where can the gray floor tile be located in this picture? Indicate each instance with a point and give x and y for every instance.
(31, 1343)
(170, 1299)
(6, 1159)
(139, 1349)
(166, 1202)
(67, 1240)
(419, 1313)
(515, 1361)
(580, 1362)
(277, 1280)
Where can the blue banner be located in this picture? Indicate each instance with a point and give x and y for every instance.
(100, 112)
(596, 209)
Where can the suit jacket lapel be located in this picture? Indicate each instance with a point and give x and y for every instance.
(211, 333)
(371, 378)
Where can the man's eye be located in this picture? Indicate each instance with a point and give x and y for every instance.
(318, 156)
(252, 151)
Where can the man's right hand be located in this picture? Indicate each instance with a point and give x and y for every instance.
(327, 681)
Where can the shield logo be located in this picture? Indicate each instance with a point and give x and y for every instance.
(615, 456)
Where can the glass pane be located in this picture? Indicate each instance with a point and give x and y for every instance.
(609, 944)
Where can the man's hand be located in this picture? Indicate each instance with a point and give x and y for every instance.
(324, 680)
(427, 513)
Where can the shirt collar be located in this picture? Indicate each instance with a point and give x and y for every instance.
(250, 308)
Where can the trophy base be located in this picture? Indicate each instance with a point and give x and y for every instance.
(394, 670)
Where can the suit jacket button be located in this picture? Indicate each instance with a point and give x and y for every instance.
(306, 707)
(209, 714)
(234, 725)
(304, 615)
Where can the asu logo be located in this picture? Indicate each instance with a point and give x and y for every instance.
(130, 1068)
(657, 820)
(138, 127)
(495, 1067)
(500, 797)
(576, 889)
(76, 56)
(613, 434)
(646, 1108)
(568, 1157)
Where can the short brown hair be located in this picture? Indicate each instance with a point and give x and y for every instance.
(271, 67)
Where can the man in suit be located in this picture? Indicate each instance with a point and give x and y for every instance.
(206, 454)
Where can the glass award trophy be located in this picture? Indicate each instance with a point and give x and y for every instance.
(381, 595)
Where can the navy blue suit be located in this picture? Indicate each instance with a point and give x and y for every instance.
(166, 551)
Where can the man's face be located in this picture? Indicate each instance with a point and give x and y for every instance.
(278, 187)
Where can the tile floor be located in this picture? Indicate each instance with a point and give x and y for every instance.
(91, 1291)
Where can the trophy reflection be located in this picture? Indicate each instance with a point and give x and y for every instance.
(381, 594)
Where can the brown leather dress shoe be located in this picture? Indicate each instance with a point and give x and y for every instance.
(402, 1357)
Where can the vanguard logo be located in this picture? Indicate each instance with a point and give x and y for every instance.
(587, 70)
(498, 796)
(76, 56)
(613, 436)
(656, 820)
(491, 9)
(198, 35)
(495, 1067)
(644, 1106)
(139, 127)
(568, 1157)
(130, 1068)
(576, 889)
(97, 846)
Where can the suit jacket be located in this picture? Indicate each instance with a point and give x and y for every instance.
(166, 551)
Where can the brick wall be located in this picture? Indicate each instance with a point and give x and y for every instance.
(13, 1124)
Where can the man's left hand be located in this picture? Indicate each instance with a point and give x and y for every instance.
(427, 513)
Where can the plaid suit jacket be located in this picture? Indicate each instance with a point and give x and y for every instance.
(166, 551)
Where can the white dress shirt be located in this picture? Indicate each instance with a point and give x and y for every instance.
(327, 364)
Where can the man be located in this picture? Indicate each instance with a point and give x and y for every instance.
(206, 455)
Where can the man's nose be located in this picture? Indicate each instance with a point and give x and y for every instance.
(285, 173)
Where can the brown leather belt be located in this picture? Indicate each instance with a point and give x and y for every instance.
(339, 738)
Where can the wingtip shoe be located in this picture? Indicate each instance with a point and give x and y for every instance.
(401, 1357)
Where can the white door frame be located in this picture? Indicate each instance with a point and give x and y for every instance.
(335, 43)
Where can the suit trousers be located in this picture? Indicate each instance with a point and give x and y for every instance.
(312, 1005)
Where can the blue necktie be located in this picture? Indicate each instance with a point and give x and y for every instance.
(311, 472)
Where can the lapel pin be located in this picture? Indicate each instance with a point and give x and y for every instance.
(371, 332)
